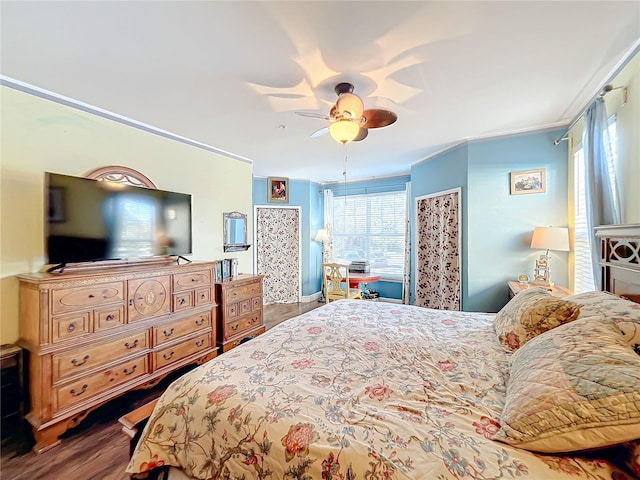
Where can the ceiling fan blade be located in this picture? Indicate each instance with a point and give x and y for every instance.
(320, 132)
(312, 115)
(362, 134)
(376, 118)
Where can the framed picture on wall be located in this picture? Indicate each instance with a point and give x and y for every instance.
(528, 181)
(278, 190)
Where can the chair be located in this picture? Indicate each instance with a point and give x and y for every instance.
(336, 282)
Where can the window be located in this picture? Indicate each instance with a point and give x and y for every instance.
(583, 270)
(371, 227)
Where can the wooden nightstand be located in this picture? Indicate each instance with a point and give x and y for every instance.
(557, 290)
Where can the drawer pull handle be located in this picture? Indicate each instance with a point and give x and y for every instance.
(71, 327)
(131, 302)
(181, 301)
(110, 317)
(193, 279)
(129, 372)
(199, 343)
(235, 327)
(203, 296)
(164, 355)
(77, 394)
(129, 346)
(169, 333)
(77, 363)
(200, 321)
(91, 295)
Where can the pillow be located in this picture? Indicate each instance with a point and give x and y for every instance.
(530, 313)
(624, 312)
(575, 387)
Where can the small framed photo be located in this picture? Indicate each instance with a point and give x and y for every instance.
(278, 189)
(528, 181)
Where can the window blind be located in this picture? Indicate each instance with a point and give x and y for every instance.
(371, 227)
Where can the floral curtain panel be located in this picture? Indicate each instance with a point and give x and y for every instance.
(278, 253)
(438, 278)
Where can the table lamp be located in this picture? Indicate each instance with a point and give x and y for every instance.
(548, 238)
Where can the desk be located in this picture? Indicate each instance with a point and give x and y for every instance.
(355, 279)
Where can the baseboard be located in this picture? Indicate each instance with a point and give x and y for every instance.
(390, 300)
(310, 298)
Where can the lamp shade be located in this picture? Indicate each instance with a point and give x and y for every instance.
(550, 238)
(322, 235)
(350, 105)
(344, 131)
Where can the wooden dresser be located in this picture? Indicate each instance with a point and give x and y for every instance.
(240, 310)
(96, 334)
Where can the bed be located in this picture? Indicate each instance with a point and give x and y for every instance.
(373, 390)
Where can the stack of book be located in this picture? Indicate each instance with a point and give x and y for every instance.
(359, 266)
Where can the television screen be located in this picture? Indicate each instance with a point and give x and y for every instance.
(90, 220)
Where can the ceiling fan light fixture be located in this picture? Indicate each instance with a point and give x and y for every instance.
(344, 131)
(349, 105)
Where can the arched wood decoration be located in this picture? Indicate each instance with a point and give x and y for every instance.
(118, 174)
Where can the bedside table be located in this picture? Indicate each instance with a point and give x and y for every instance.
(517, 287)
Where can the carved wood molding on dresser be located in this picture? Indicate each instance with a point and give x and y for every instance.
(93, 335)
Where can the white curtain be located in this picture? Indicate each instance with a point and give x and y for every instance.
(406, 280)
(601, 195)
(278, 253)
(327, 245)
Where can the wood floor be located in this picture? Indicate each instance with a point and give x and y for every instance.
(97, 449)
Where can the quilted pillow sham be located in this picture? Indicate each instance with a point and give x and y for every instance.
(575, 387)
(530, 313)
(624, 312)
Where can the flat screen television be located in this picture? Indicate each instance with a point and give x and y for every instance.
(90, 220)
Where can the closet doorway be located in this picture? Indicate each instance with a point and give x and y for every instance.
(278, 253)
(438, 250)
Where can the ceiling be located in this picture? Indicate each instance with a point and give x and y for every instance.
(231, 74)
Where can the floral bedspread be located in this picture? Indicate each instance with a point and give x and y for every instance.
(351, 390)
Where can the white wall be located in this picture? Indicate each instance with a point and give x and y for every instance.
(39, 135)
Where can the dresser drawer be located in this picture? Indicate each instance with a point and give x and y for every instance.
(107, 318)
(83, 389)
(70, 326)
(234, 343)
(241, 325)
(189, 281)
(181, 350)
(81, 298)
(76, 361)
(231, 311)
(149, 297)
(240, 292)
(178, 328)
(202, 296)
(182, 301)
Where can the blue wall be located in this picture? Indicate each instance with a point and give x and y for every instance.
(308, 196)
(500, 225)
(444, 172)
(497, 226)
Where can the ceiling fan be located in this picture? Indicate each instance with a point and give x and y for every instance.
(349, 121)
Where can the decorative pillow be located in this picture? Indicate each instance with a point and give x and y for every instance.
(624, 312)
(530, 313)
(575, 387)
